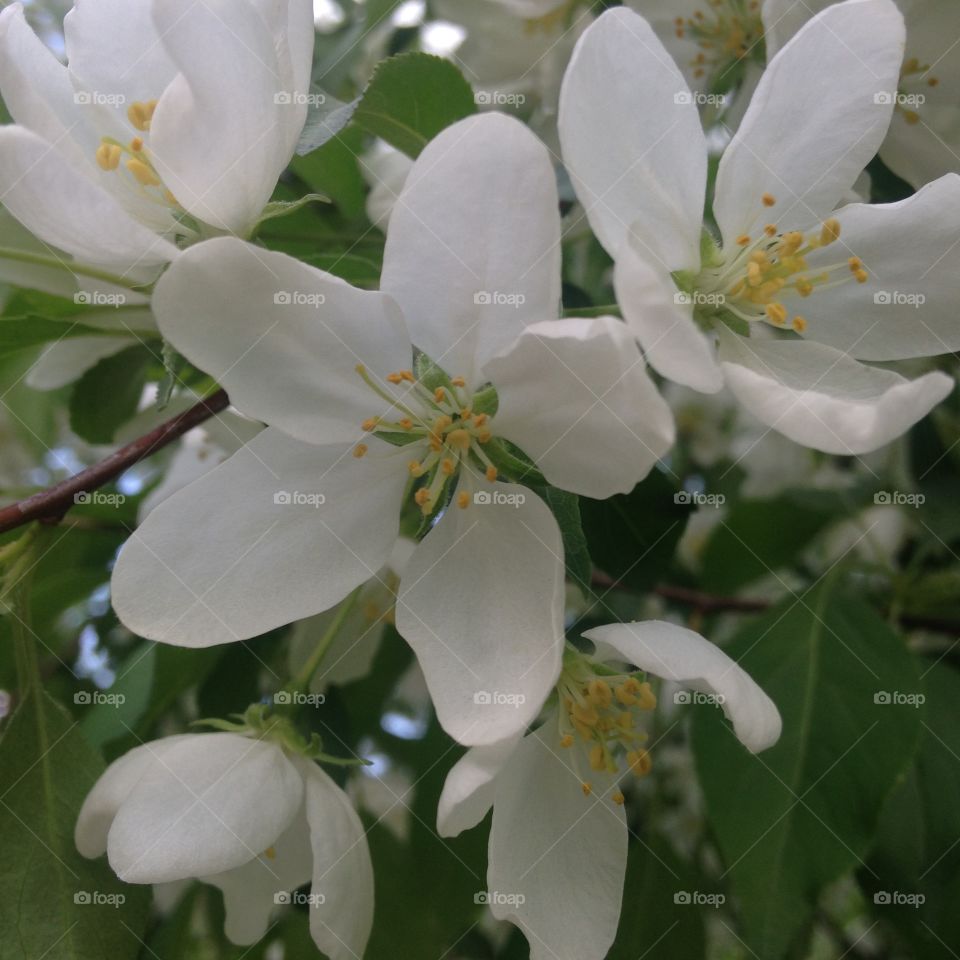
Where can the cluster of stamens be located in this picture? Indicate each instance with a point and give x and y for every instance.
(451, 433)
(727, 30)
(912, 72)
(134, 155)
(602, 712)
(764, 270)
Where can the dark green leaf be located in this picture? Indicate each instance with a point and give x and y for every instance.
(411, 98)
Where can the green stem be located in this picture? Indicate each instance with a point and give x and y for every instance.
(607, 310)
(301, 681)
(38, 259)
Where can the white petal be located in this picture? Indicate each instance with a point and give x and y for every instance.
(576, 398)
(815, 121)
(632, 141)
(111, 791)
(280, 531)
(824, 399)
(56, 202)
(924, 151)
(283, 338)
(64, 361)
(220, 138)
(783, 18)
(565, 854)
(481, 603)
(113, 49)
(211, 803)
(675, 653)
(664, 327)
(250, 890)
(473, 249)
(36, 88)
(908, 308)
(341, 920)
(469, 788)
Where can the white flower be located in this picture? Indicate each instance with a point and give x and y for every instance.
(923, 142)
(856, 283)
(558, 845)
(172, 120)
(240, 814)
(305, 513)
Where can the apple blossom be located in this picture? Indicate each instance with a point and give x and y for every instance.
(360, 426)
(873, 283)
(241, 814)
(558, 844)
(171, 122)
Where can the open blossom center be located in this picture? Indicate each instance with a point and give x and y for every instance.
(135, 157)
(441, 426)
(602, 711)
(727, 30)
(759, 278)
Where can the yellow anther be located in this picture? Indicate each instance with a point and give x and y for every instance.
(587, 788)
(136, 144)
(270, 853)
(369, 424)
(754, 274)
(479, 419)
(625, 720)
(618, 798)
(770, 230)
(170, 198)
(912, 117)
(830, 232)
(648, 699)
(416, 468)
(598, 760)
(626, 696)
(484, 436)
(743, 240)
(395, 378)
(791, 243)
(408, 376)
(143, 173)
(466, 413)
(804, 287)
(586, 715)
(769, 200)
(776, 313)
(463, 500)
(566, 741)
(599, 692)
(141, 114)
(861, 276)
(448, 466)
(639, 762)
(459, 382)
(799, 324)
(361, 369)
(406, 423)
(360, 450)
(855, 264)
(459, 438)
(441, 423)
(422, 498)
(440, 394)
(491, 474)
(108, 156)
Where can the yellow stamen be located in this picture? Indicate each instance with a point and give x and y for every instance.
(777, 313)
(491, 474)
(799, 324)
(108, 156)
(830, 232)
(360, 450)
(618, 798)
(743, 240)
(566, 741)
(141, 114)
(769, 200)
(459, 438)
(369, 424)
(447, 466)
(143, 173)
(463, 500)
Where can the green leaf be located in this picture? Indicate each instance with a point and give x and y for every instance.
(334, 171)
(107, 395)
(285, 208)
(917, 854)
(566, 509)
(324, 121)
(54, 903)
(411, 98)
(801, 814)
(759, 537)
(19, 333)
(631, 537)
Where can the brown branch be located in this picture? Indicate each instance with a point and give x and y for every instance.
(707, 603)
(51, 505)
